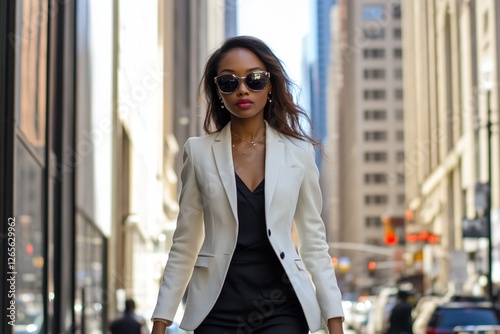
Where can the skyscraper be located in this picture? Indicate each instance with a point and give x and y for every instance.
(365, 116)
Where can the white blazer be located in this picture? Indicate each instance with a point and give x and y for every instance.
(207, 228)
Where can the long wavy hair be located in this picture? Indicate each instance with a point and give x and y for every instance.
(283, 114)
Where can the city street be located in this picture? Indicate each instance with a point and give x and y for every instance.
(357, 135)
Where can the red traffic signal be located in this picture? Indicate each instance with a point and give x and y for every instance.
(372, 265)
(390, 237)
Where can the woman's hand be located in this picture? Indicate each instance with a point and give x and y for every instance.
(335, 326)
(160, 327)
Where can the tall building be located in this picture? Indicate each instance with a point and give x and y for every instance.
(230, 18)
(451, 80)
(198, 30)
(37, 125)
(97, 98)
(318, 115)
(159, 67)
(316, 54)
(365, 143)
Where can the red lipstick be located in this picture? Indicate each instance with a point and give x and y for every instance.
(244, 103)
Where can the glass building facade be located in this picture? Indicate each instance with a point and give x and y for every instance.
(54, 257)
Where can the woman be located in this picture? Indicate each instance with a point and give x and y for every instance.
(242, 187)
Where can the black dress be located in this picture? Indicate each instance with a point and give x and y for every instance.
(257, 296)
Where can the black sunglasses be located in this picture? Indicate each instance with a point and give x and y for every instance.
(256, 81)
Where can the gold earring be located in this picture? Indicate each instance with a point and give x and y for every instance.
(269, 97)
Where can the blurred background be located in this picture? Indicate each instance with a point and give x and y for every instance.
(99, 96)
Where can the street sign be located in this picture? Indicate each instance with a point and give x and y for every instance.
(475, 228)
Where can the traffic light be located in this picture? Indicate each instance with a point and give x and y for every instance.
(372, 265)
(29, 249)
(390, 237)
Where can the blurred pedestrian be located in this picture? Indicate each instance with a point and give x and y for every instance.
(400, 320)
(243, 185)
(129, 323)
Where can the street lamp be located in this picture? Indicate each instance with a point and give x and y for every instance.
(488, 206)
(486, 188)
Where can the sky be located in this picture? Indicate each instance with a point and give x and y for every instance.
(281, 24)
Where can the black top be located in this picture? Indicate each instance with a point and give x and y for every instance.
(252, 241)
(254, 276)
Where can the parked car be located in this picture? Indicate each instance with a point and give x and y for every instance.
(441, 318)
(347, 307)
(424, 302)
(360, 313)
(422, 312)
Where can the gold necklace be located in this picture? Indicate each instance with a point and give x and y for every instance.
(253, 143)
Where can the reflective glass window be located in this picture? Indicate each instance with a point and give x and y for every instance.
(373, 12)
(30, 41)
(30, 242)
(90, 297)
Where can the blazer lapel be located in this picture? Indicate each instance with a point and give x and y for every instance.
(223, 157)
(274, 159)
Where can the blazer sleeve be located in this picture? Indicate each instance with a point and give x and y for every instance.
(187, 240)
(313, 247)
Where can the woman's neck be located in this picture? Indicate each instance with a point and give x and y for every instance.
(248, 129)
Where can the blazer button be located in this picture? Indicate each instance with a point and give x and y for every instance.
(282, 255)
(269, 232)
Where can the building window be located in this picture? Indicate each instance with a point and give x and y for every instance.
(374, 74)
(401, 199)
(374, 33)
(400, 156)
(399, 115)
(398, 94)
(397, 33)
(398, 53)
(375, 115)
(375, 156)
(400, 178)
(29, 222)
(375, 135)
(400, 135)
(373, 221)
(90, 265)
(396, 11)
(374, 53)
(373, 12)
(376, 199)
(398, 73)
(374, 94)
(375, 178)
